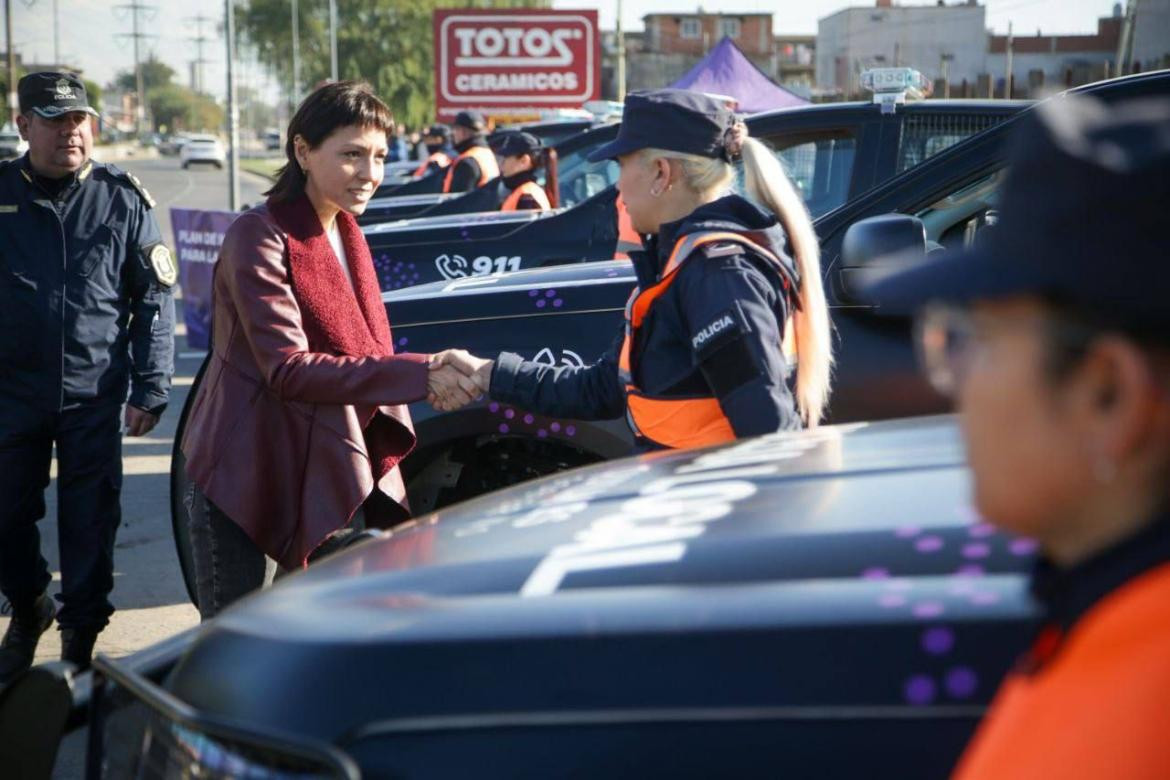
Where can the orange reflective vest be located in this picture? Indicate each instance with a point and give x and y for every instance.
(628, 238)
(1100, 707)
(682, 422)
(488, 167)
(442, 158)
(530, 188)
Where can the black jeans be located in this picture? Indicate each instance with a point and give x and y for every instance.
(228, 564)
(89, 487)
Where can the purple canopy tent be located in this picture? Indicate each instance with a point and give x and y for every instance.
(726, 71)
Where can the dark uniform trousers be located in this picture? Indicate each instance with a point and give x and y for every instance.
(88, 437)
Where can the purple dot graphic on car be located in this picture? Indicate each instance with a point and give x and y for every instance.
(891, 600)
(929, 544)
(875, 573)
(533, 293)
(938, 640)
(961, 682)
(976, 550)
(503, 427)
(907, 531)
(927, 609)
(920, 689)
(1022, 546)
(493, 407)
(402, 342)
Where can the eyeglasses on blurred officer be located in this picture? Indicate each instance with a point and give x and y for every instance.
(522, 156)
(86, 316)
(728, 295)
(1053, 333)
(475, 163)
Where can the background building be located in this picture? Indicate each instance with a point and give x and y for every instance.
(929, 38)
(1052, 62)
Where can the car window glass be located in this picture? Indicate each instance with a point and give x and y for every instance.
(926, 134)
(580, 179)
(953, 220)
(820, 165)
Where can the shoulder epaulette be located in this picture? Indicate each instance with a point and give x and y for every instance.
(134, 182)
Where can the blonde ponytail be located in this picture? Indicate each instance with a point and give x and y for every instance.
(768, 184)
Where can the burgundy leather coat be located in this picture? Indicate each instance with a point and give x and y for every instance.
(278, 435)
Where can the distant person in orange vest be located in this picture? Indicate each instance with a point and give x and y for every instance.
(521, 158)
(440, 153)
(728, 296)
(1053, 333)
(475, 164)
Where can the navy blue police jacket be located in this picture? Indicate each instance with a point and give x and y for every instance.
(83, 316)
(743, 367)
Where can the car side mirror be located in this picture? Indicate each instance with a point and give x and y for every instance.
(874, 247)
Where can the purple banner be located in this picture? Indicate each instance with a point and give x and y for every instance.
(198, 235)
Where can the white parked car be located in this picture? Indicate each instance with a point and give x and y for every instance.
(202, 149)
(11, 144)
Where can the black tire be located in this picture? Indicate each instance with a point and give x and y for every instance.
(179, 525)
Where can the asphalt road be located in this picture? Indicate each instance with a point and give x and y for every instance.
(148, 587)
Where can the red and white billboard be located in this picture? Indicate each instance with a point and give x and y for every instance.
(507, 61)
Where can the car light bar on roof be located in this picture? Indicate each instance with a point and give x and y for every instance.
(891, 86)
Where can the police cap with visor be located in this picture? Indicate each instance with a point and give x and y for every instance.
(1082, 221)
(50, 94)
(438, 131)
(471, 120)
(514, 143)
(676, 120)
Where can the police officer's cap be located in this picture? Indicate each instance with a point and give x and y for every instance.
(514, 143)
(438, 131)
(51, 94)
(677, 120)
(471, 120)
(1082, 220)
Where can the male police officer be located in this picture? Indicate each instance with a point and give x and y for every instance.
(476, 164)
(86, 314)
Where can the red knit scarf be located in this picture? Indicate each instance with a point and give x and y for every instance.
(339, 318)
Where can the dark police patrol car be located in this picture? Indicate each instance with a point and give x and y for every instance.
(814, 604)
(833, 151)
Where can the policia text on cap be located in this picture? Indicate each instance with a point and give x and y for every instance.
(728, 296)
(86, 317)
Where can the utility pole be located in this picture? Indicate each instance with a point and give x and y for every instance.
(137, 10)
(199, 39)
(1125, 41)
(232, 112)
(1007, 84)
(621, 56)
(296, 52)
(56, 36)
(333, 39)
(13, 106)
(945, 61)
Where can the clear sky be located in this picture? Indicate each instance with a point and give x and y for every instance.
(89, 28)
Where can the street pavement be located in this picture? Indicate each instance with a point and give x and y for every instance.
(148, 593)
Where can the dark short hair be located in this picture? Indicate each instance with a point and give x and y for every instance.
(329, 107)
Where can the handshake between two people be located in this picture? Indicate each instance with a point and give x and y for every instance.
(456, 378)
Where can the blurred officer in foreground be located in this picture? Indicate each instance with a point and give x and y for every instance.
(439, 151)
(86, 315)
(728, 294)
(475, 164)
(1054, 336)
(521, 158)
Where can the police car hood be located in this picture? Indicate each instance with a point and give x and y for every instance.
(795, 570)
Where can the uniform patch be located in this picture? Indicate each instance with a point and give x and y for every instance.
(163, 264)
(9, 209)
(141, 189)
(718, 331)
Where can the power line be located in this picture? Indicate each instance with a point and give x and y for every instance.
(199, 39)
(137, 10)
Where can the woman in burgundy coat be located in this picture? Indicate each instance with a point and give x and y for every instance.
(299, 424)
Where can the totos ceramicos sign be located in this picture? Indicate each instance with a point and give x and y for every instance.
(503, 60)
